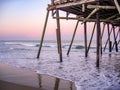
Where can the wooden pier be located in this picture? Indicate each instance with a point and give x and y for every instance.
(106, 12)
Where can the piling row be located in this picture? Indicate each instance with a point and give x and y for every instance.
(106, 12)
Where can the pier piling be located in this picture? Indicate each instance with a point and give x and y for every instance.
(44, 29)
(72, 38)
(98, 37)
(59, 35)
(85, 38)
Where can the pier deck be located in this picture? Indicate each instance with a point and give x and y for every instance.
(84, 8)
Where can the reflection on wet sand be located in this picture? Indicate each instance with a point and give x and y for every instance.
(51, 83)
(12, 86)
(16, 79)
(57, 84)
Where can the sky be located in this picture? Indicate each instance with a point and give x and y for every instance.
(24, 20)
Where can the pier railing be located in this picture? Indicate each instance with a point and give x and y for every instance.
(56, 2)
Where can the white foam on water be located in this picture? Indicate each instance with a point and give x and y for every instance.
(75, 68)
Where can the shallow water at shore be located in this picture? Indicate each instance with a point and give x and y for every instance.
(75, 68)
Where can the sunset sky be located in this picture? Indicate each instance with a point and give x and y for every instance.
(24, 20)
(21, 19)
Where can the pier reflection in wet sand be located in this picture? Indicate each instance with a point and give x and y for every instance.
(16, 79)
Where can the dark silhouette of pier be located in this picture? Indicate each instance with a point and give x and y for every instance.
(106, 12)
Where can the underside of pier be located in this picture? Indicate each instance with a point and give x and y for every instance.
(106, 12)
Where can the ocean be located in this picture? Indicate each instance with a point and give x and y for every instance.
(75, 67)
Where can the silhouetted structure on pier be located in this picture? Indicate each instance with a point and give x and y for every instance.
(106, 12)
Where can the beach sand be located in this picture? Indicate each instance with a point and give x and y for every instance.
(12, 78)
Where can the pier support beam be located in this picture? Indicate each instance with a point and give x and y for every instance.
(98, 38)
(117, 5)
(85, 38)
(119, 35)
(115, 40)
(43, 33)
(73, 38)
(91, 38)
(109, 41)
(59, 35)
(102, 32)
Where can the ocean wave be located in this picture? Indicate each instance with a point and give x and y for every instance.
(63, 46)
(47, 45)
(21, 43)
(79, 47)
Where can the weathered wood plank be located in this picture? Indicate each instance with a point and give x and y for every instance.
(71, 4)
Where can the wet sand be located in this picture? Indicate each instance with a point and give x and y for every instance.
(12, 78)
